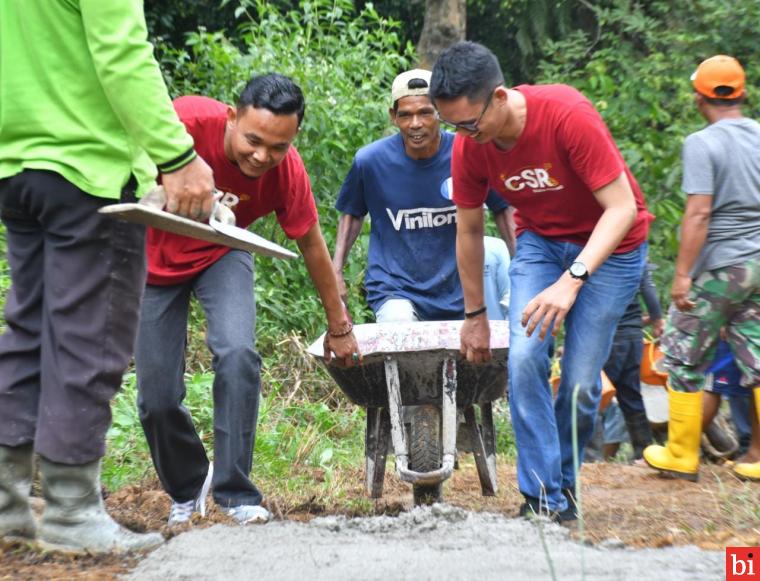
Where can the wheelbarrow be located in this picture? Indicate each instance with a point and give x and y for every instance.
(417, 367)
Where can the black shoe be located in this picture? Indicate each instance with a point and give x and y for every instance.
(532, 508)
(571, 512)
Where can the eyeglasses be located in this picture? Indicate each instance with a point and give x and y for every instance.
(471, 127)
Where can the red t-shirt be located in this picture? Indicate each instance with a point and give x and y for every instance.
(564, 153)
(285, 190)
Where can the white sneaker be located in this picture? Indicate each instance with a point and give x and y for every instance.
(248, 513)
(181, 512)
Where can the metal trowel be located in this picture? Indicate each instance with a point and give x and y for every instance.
(220, 229)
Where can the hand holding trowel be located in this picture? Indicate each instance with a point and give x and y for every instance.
(220, 229)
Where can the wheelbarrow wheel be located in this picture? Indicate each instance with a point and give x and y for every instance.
(425, 450)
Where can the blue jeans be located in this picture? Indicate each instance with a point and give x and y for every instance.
(225, 291)
(543, 428)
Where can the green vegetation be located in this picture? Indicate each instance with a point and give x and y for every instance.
(632, 59)
(635, 67)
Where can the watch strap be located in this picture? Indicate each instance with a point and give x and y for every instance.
(475, 313)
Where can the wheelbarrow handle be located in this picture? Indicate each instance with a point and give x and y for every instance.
(428, 478)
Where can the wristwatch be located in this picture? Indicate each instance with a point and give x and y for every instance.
(578, 270)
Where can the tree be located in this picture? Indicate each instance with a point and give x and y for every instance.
(445, 24)
(171, 20)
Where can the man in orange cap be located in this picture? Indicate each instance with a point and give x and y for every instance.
(717, 275)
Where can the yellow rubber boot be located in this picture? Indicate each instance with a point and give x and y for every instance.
(746, 470)
(680, 456)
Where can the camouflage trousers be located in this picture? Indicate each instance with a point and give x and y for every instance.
(725, 297)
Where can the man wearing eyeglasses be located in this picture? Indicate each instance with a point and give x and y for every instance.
(404, 183)
(581, 224)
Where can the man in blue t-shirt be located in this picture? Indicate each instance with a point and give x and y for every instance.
(404, 183)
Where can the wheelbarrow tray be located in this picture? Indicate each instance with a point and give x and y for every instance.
(419, 349)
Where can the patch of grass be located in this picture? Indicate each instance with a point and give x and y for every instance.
(361, 506)
(506, 446)
(127, 459)
(739, 508)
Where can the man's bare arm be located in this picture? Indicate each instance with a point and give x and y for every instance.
(505, 222)
(349, 228)
(475, 335)
(552, 305)
(317, 258)
(694, 226)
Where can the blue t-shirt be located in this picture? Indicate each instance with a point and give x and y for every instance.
(413, 225)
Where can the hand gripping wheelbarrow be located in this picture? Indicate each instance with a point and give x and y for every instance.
(417, 368)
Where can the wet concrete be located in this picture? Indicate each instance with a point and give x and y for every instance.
(435, 543)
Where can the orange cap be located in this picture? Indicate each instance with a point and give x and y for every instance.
(719, 77)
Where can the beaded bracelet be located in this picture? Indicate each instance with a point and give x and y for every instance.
(344, 333)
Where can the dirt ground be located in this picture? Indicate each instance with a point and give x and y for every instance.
(621, 503)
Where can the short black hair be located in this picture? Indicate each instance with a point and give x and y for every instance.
(465, 69)
(273, 92)
(412, 84)
(725, 102)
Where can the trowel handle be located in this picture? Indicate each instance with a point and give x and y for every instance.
(156, 198)
(222, 213)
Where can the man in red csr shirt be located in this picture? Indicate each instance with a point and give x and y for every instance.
(581, 225)
(249, 149)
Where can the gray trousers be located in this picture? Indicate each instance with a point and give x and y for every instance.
(71, 315)
(225, 291)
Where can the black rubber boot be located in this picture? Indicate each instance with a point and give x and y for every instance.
(640, 432)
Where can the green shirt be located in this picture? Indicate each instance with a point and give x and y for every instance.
(82, 95)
